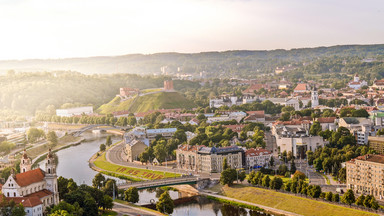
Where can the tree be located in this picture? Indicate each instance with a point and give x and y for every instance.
(348, 197)
(102, 147)
(335, 197)
(107, 202)
(315, 128)
(52, 138)
(228, 176)
(329, 196)
(98, 181)
(109, 186)
(360, 200)
(367, 201)
(35, 134)
(242, 176)
(342, 174)
(299, 175)
(315, 191)
(293, 166)
(283, 169)
(160, 152)
(225, 164)
(276, 183)
(165, 203)
(180, 135)
(271, 162)
(266, 181)
(374, 204)
(108, 142)
(132, 195)
(360, 113)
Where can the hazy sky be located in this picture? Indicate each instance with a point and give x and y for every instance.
(75, 28)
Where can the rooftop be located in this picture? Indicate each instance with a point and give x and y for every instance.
(30, 177)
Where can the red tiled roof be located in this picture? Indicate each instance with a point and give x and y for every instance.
(235, 128)
(25, 201)
(29, 177)
(256, 152)
(40, 194)
(326, 119)
(301, 87)
(259, 112)
(190, 147)
(371, 158)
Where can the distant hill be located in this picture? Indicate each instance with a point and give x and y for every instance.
(227, 64)
(159, 100)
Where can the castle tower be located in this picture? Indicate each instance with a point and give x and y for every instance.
(314, 98)
(168, 85)
(25, 163)
(51, 177)
(356, 78)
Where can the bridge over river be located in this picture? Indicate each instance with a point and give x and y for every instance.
(166, 182)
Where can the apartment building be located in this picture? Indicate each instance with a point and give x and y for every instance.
(365, 175)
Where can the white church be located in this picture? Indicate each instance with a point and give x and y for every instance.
(35, 189)
(356, 83)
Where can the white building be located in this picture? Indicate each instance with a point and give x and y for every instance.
(35, 189)
(314, 99)
(293, 102)
(74, 111)
(257, 157)
(356, 83)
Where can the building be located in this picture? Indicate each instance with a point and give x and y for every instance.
(128, 92)
(301, 88)
(133, 148)
(376, 143)
(74, 111)
(314, 99)
(211, 159)
(255, 116)
(293, 102)
(356, 83)
(365, 175)
(167, 133)
(168, 85)
(377, 84)
(327, 123)
(257, 157)
(187, 158)
(360, 127)
(35, 188)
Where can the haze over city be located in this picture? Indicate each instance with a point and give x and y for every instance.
(72, 28)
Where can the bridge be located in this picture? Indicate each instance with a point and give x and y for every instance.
(165, 182)
(82, 130)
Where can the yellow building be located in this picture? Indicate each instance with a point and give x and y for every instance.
(376, 143)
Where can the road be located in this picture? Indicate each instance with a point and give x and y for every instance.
(122, 209)
(116, 155)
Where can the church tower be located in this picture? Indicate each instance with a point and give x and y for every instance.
(314, 98)
(25, 163)
(51, 176)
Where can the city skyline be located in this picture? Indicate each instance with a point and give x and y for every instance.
(64, 29)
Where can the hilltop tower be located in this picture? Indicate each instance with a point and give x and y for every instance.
(314, 98)
(168, 85)
(51, 176)
(25, 163)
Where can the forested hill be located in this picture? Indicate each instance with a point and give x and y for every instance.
(228, 63)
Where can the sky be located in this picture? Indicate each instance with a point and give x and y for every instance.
(82, 28)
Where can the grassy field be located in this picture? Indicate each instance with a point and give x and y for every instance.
(102, 163)
(161, 100)
(150, 90)
(287, 202)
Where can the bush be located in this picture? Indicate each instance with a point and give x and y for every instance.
(336, 197)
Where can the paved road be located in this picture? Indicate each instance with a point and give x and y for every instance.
(122, 209)
(116, 155)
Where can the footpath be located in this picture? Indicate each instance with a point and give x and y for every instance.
(266, 208)
(122, 209)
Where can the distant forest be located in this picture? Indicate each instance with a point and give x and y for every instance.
(216, 64)
(26, 92)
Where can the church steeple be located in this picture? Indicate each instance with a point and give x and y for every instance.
(50, 165)
(51, 177)
(25, 163)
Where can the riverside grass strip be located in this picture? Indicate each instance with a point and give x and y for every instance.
(134, 172)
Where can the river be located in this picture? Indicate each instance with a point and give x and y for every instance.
(73, 163)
